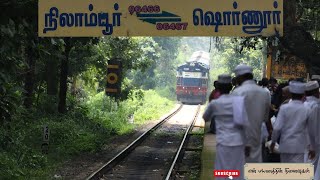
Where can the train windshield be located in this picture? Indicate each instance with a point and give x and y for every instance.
(191, 82)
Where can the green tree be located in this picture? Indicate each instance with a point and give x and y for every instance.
(229, 54)
(166, 69)
(137, 56)
(146, 78)
(301, 33)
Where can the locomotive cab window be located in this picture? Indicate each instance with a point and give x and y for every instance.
(191, 82)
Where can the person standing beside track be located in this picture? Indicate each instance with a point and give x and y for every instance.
(215, 94)
(314, 135)
(264, 84)
(257, 105)
(312, 100)
(230, 135)
(291, 123)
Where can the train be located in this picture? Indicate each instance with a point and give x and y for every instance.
(193, 79)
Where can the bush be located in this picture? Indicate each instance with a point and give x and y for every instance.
(153, 107)
(167, 92)
(85, 128)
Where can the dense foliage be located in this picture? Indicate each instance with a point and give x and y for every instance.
(301, 33)
(308, 15)
(87, 127)
(59, 82)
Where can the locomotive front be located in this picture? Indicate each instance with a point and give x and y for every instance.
(192, 79)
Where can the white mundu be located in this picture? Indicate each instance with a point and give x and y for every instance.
(257, 102)
(230, 117)
(290, 125)
(229, 137)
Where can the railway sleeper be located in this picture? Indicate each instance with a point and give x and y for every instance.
(192, 149)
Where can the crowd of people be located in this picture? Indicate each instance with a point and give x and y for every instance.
(264, 121)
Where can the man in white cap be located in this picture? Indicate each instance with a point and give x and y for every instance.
(257, 105)
(312, 100)
(314, 134)
(312, 93)
(291, 123)
(229, 133)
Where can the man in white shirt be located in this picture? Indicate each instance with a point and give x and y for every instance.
(290, 125)
(312, 99)
(229, 135)
(314, 135)
(265, 84)
(257, 104)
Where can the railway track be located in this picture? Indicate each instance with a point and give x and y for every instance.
(154, 153)
(182, 147)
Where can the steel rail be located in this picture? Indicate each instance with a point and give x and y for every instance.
(184, 140)
(126, 151)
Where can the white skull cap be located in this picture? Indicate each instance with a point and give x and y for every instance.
(312, 85)
(242, 69)
(297, 87)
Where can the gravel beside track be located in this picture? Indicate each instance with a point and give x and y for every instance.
(152, 159)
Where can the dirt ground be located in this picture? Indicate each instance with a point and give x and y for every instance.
(153, 157)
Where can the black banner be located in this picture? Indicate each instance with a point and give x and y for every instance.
(113, 79)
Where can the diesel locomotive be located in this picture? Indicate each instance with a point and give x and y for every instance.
(192, 79)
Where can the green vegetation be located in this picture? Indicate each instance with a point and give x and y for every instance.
(84, 129)
(153, 107)
(58, 82)
(226, 56)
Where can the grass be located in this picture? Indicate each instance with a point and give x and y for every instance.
(153, 107)
(194, 174)
(84, 129)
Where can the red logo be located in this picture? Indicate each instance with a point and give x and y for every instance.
(226, 173)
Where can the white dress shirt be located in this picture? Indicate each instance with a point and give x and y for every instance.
(267, 89)
(310, 103)
(257, 102)
(314, 126)
(227, 133)
(291, 124)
